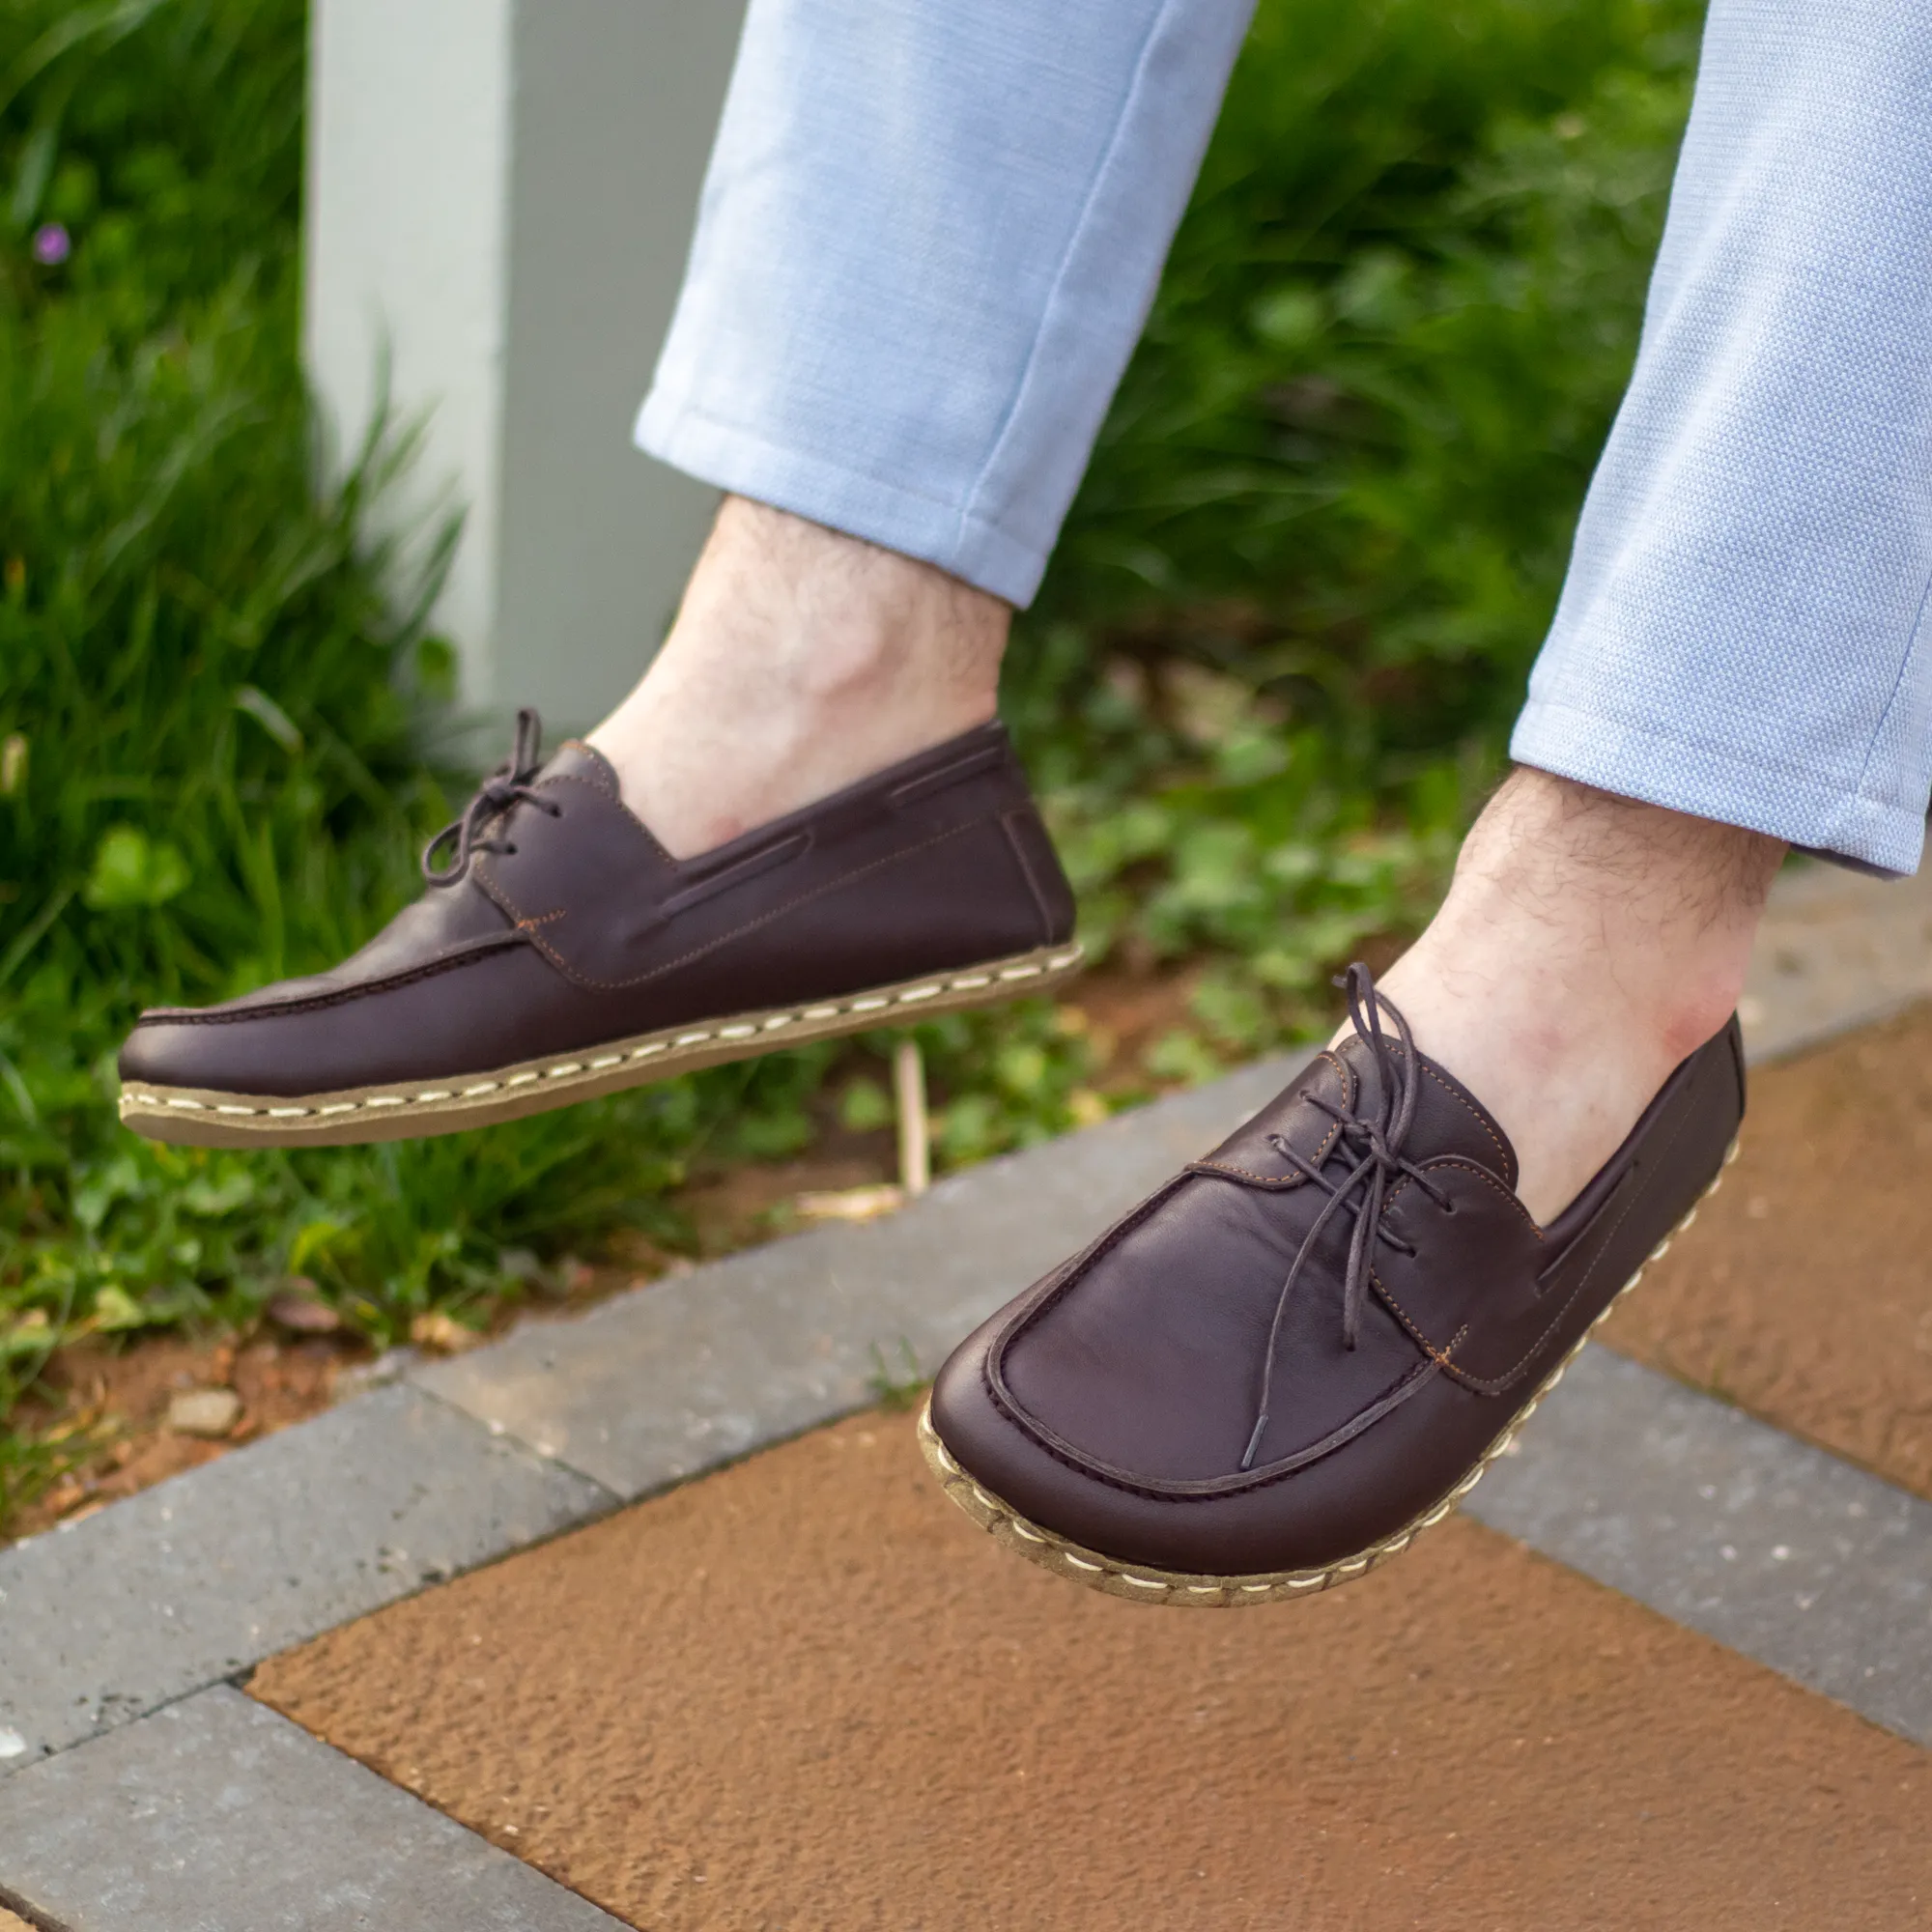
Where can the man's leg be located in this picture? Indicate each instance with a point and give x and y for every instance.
(927, 243)
(802, 659)
(928, 239)
(1741, 642)
(1742, 633)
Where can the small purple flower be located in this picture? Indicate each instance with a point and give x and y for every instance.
(53, 245)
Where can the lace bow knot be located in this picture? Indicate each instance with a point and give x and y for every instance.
(506, 786)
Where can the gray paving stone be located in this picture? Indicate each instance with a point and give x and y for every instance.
(671, 1379)
(1779, 1550)
(1835, 951)
(212, 1570)
(219, 1815)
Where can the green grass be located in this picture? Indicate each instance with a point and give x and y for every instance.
(1270, 675)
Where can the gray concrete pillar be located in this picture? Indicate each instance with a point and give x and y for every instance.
(501, 196)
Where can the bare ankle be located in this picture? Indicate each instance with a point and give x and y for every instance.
(831, 614)
(1621, 897)
(1587, 945)
(801, 661)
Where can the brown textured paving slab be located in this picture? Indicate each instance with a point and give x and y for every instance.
(805, 1692)
(1803, 1294)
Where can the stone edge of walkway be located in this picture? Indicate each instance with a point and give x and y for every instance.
(1837, 952)
(202, 1577)
(217, 1811)
(1723, 1524)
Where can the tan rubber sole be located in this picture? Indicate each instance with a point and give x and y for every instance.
(1142, 1583)
(197, 1117)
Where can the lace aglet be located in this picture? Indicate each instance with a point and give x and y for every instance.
(1255, 1441)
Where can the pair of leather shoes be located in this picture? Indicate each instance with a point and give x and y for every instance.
(1263, 1380)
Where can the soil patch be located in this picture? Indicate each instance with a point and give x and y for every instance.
(805, 1691)
(1802, 1293)
(1123, 1014)
(120, 1398)
(734, 1208)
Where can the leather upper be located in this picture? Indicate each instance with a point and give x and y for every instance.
(571, 926)
(1114, 1402)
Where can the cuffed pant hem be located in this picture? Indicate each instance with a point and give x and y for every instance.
(842, 499)
(1719, 783)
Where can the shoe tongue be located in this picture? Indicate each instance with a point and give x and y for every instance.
(1448, 1118)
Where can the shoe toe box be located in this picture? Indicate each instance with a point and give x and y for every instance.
(306, 1037)
(1110, 1405)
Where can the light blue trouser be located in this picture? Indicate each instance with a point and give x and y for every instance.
(930, 233)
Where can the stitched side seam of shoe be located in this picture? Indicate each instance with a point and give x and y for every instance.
(972, 981)
(316, 1003)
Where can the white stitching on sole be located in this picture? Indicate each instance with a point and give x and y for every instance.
(870, 1002)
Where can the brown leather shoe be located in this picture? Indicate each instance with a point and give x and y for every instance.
(563, 953)
(1305, 1348)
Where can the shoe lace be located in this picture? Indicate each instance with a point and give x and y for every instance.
(508, 785)
(1373, 1145)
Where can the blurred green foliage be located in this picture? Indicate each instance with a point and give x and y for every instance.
(1270, 674)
